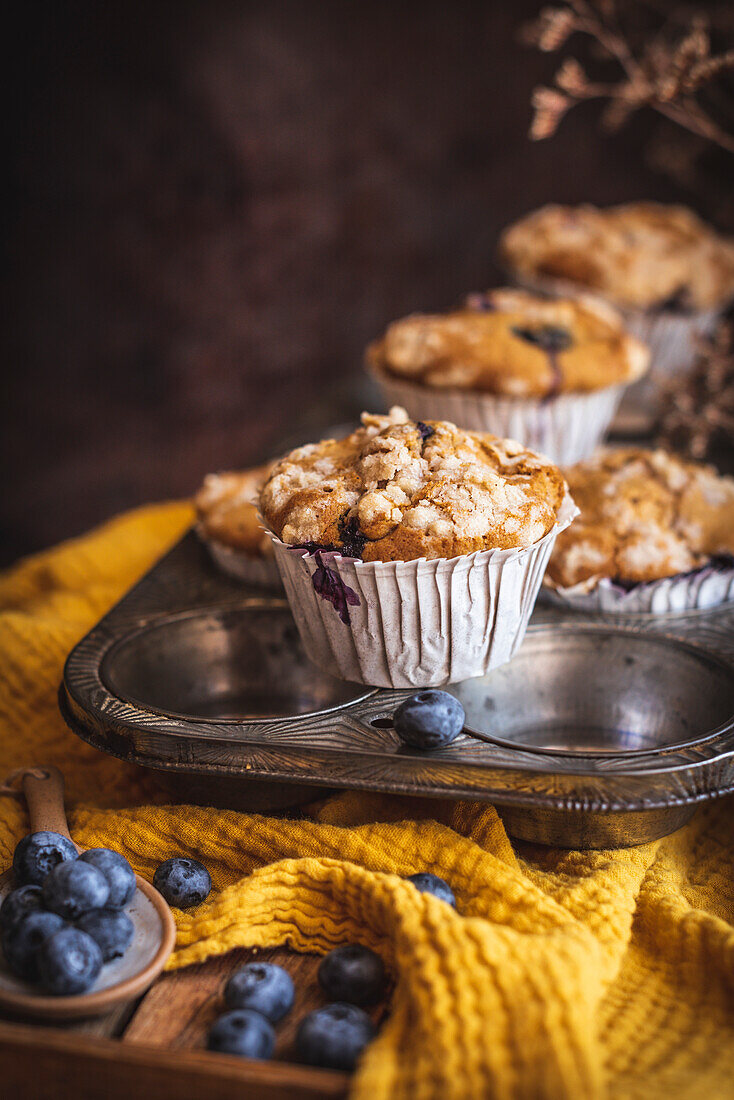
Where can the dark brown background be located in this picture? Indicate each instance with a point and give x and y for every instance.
(214, 206)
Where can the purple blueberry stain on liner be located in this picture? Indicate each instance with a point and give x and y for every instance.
(551, 339)
(329, 585)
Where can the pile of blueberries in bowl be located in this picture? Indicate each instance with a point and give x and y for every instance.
(66, 918)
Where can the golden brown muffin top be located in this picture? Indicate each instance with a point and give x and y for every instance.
(644, 515)
(227, 510)
(397, 490)
(641, 254)
(513, 343)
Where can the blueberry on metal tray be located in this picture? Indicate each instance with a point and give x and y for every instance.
(429, 720)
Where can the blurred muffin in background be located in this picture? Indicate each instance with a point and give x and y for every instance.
(226, 508)
(549, 373)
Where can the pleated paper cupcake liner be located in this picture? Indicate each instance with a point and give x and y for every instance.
(565, 428)
(671, 337)
(416, 623)
(699, 590)
(262, 572)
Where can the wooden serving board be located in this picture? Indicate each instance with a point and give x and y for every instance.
(155, 1048)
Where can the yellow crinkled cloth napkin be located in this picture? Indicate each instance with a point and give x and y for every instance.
(564, 974)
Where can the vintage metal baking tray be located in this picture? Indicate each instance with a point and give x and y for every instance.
(600, 732)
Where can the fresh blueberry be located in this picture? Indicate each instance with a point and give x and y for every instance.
(352, 973)
(432, 884)
(110, 929)
(118, 872)
(429, 720)
(22, 943)
(68, 962)
(334, 1036)
(242, 1032)
(39, 853)
(73, 888)
(262, 986)
(183, 882)
(17, 904)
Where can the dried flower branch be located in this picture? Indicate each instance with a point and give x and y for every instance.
(660, 74)
(698, 415)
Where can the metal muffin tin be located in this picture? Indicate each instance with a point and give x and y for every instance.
(600, 732)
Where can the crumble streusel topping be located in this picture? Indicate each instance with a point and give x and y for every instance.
(644, 515)
(513, 343)
(397, 490)
(641, 254)
(226, 506)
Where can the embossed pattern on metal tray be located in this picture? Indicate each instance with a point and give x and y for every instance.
(600, 732)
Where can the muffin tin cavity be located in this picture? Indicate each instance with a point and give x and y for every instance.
(601, 691)
(234, 664)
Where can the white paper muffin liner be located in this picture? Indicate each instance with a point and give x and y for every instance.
(698, 590)
(566, 428)
(260, 571)
(415, 623)
(671, 337)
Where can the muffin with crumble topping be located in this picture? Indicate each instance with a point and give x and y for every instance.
(228, 524)
(655, 533)
(412, 551)
(549, 373)
(669, 273)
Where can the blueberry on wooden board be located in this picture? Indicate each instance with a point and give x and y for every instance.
(264, 987)
(432, 884)
(183, 882)
(118, 872)
(111, 929)
(429, 720)
(352, 973)
(242, 1032)
(334, 1036)
(22, 942)
(74, 888)
(38, 853)
(69, 962)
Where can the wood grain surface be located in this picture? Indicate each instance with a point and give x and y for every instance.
(156, 1047)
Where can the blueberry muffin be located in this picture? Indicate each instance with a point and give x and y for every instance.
(512, 343)
(412, 552)
(642, 255)
(226, 508)
(227, 511)
(645, 515)
(400, 490)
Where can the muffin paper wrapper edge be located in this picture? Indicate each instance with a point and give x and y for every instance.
(418, 623)
(262, 572)
(698, 590)
(565, 428)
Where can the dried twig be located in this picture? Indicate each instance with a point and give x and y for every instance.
(698, 414)
(665, 72)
